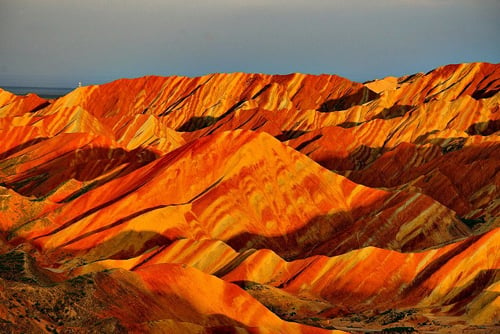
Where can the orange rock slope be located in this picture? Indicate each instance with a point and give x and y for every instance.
(253, 203)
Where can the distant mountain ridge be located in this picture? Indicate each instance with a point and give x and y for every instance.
(44, 92)
(253, 203)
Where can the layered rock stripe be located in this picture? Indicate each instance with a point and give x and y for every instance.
(253, 203)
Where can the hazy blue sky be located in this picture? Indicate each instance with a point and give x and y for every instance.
(61, 42)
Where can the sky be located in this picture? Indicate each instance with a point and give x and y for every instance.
(58, 43)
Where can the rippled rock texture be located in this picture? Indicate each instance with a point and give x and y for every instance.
(252, 203)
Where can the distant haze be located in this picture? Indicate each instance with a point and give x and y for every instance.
(59, 43)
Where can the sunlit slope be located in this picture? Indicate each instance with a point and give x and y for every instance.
(14, 105)
(458, 280)
(216, 94)
(450, 276)
(436, 133)
(183, 294)
(159, 298)
(247, 189)
(478, 80)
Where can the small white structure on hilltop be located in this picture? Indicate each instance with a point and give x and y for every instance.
(79, 84)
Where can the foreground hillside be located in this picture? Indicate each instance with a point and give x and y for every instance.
(252, 203)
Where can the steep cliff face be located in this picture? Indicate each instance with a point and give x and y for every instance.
(241, 202)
